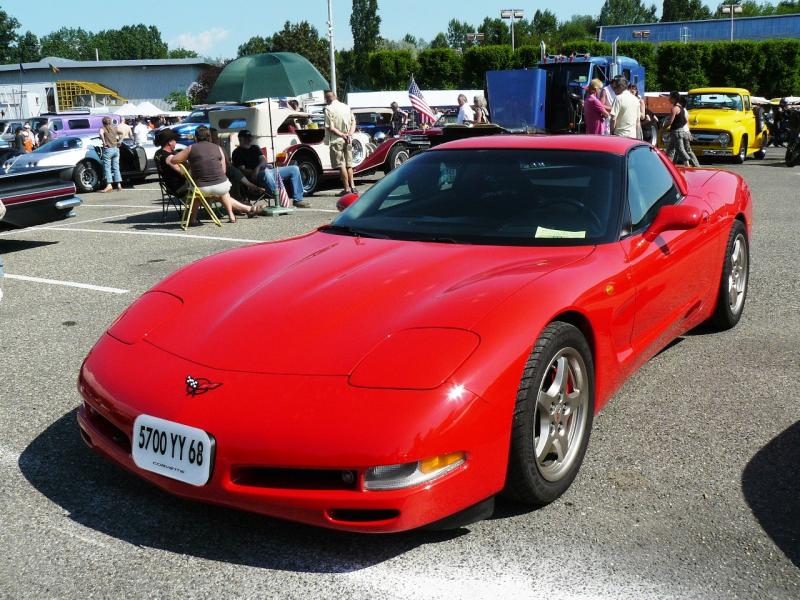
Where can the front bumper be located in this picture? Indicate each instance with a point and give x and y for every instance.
(700, 151)
(298, 423)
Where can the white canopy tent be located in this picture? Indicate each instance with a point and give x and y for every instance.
(127, 110)
(148, 109)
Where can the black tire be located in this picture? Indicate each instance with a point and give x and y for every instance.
(310, 173)
(742, 156)
(86, 177)
(792, 154)
(530, 479)
(397, 156)
(725, 315)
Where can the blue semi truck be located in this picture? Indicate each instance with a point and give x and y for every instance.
(548, 98)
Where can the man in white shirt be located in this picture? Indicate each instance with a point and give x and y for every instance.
(466, 116)
(340, 125)
(140, 132)
(624, 110)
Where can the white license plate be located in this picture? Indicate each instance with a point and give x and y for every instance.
(172, 450)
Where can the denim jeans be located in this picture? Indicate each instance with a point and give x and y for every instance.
(111, 165)
(266, 178)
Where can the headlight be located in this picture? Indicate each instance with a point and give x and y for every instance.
(724, 139)
(393, 477)
(415, 359)
(379, 137)
(143, 316)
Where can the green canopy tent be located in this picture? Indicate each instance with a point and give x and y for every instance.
(271, 75)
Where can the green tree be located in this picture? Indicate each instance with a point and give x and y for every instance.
(304, 39)
(495, 32)
(179, 100)
(365, 25)
(130, 42)
(457, 33)
(255, 45)
(68, 42)
(626, 12)
(480, 59)
(28, 48)
(390, 69)
(440, 41)
(439, 68)
(578, 27)
(544, 23)
(181, 53)
(8, 27)
(684, 10)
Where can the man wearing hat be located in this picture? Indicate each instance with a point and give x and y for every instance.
(249, 159)
(27, 138)
(171, 175)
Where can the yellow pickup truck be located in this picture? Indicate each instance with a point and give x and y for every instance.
(724, 123)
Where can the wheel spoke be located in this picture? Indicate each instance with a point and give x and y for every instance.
(561, 446)
(559, 385)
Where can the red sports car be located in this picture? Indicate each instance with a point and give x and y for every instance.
(447, 338)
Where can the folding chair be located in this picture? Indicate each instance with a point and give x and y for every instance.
(167, 199)
(195, 195)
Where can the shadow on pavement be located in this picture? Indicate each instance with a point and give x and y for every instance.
(771, 486)
(108, 499)
(9, 246)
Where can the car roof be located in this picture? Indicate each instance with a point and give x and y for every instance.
(720, 90)
(611, 144)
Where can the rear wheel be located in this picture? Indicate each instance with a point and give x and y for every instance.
(553, 416)
(397, 156)
(733, 283)
(309, 173)
(792, 154)
(740, 158)
(86, 177)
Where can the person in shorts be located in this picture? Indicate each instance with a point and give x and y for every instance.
(340, 125)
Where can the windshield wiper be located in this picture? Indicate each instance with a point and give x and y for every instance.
(354, 231)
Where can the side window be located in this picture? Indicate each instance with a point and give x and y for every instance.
(79, 124)
(56, 125)
(747, 103)
(650, 186)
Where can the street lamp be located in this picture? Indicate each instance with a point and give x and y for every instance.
(732, 8)
(512, 14)
(330, 45)
(475, 37)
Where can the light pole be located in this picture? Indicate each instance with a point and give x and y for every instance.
(474, 37)
(513, 14)
(330, 44)
(732, 8)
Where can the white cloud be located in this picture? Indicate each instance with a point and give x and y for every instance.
(203, 42)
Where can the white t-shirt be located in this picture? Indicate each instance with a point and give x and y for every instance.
(625, 112)
(140, 134)
(465, 113)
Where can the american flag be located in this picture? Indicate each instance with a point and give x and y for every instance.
(418, 102)
(283, 196)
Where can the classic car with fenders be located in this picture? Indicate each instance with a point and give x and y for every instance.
(292, 135)
(199, 117)
(37, 196)
(447, 338)
(82, 158)
(724, 123)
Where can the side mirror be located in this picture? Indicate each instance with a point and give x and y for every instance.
(346, 200)
(671, 218)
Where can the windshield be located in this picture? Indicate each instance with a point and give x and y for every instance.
(198, 116)
(37, 123)
(66, 143)
(575, 75)
(723, 101)
(499, 197)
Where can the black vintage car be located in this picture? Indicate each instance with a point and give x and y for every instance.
(36, 197)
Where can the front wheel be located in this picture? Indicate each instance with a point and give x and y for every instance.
(397, 156)
(553, 416)
(740, 158)
(86, 177)
(309, 173)
(733, 283)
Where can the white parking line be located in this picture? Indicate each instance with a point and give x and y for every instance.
(119, 206)
(156, 233)
(7, 457)
(84, 286)
(133, 214)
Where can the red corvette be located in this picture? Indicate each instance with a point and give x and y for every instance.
(447, 338)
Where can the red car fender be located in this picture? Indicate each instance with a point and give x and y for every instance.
(377, 159)
(285, 157)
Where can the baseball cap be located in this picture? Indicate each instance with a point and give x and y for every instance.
(245, 133)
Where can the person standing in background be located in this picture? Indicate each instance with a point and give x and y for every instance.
(340, 125)
(466, 116)
(399, 119)
(140, 132)
(625, 110)
(594, 112)
(110, 139)
(125, 130)
(481, 110)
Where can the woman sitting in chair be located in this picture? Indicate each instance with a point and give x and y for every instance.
(207, 168)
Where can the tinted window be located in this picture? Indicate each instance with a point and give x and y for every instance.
(501, 197)
(56, 125)
(198, 116)
(233, 123)
(650, 186)
(67, 143)
(78, 124)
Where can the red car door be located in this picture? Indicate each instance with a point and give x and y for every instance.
(671, 274)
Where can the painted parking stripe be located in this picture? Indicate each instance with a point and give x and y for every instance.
(83, 286)
(106, 218)
(155, 233)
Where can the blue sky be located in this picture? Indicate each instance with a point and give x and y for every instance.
(217, 27)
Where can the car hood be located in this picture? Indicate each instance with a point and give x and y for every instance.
(63, 158)
(317, 304)
(711, 117)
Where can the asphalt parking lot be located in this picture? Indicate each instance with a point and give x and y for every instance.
(690, 488)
